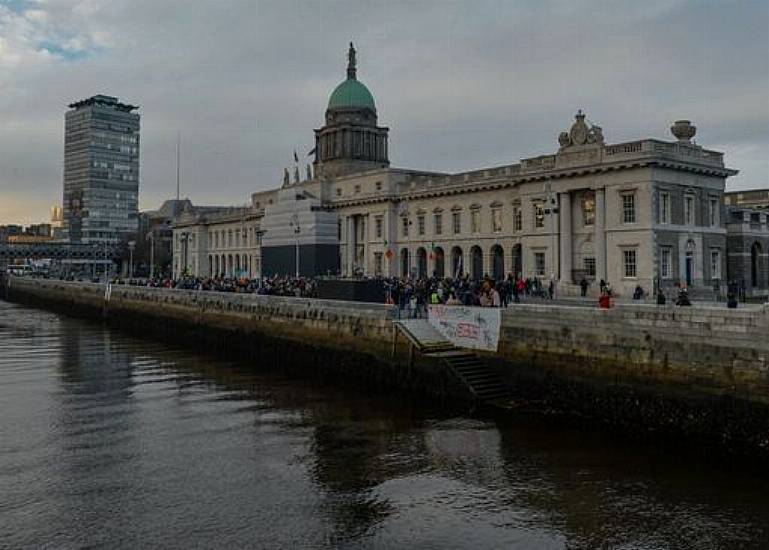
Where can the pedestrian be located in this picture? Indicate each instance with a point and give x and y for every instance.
(495, 298)
(583, 284)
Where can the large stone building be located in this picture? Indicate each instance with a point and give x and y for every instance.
(643, 212)
(748, 240)
(101, 171)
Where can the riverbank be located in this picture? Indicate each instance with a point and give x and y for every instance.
(698, 373)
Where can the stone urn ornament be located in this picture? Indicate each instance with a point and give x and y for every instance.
(683, 130)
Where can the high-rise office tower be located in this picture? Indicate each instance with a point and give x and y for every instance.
(101, 170)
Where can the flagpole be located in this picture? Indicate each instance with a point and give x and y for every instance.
(178, 162)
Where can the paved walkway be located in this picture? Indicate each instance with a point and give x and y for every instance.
(576, 301)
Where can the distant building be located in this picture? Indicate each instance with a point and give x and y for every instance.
(27, 238)
(7, 231)
(101, 170)
(155, 235)
(233, 232)
(56, 222)
(754, 198)
(39, 230)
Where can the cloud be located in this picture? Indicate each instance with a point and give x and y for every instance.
(461, 85)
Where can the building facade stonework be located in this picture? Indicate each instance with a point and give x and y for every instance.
(647, 212)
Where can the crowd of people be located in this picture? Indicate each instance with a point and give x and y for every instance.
(412, 294)
(274, 286)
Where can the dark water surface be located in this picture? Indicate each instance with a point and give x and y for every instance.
(109, 440)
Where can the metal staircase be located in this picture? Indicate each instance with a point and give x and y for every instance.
(483, 382)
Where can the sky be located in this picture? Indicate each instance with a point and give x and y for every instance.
(461, 84)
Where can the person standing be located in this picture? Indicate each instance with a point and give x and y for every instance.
(496, 300)
(583, 284)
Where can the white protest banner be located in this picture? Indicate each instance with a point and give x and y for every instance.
(467, 327)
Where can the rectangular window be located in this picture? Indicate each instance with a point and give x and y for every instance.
(438, 221)
(665, 263)
(496, 220)
(517, 219)
(338, 191)
(361, 226)
(456, 222)
(357, 187)
(539, 263)
(714, 211)
(421, 224)
(664, 207)
(379, 186)
(689, 210)
(588, 212)
(378, 264)
(589, 266)
(629, 257)
(715, 264)
(378, 226)
(539, 214)
(628, 208)
(475, 221)
(405, 226)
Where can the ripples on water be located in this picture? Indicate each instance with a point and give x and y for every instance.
(109, 440)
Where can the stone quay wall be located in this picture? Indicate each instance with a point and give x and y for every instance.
(692, 350)
(699, 372)
(325, 323)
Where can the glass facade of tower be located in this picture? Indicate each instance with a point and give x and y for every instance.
(101, 170)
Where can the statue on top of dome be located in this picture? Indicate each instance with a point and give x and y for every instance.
(351, 63)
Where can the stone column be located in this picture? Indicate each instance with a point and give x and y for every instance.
(566, 237)
(600, 234)
(367, 262)
(350, 242)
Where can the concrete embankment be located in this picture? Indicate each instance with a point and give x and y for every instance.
(342, 341)
(696, 372)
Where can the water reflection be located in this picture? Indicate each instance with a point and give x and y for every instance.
(113, 440)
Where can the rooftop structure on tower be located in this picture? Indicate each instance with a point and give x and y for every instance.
(350, 141)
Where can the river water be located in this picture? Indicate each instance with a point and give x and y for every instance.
(112, 440)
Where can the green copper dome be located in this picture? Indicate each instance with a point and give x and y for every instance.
(351, 93)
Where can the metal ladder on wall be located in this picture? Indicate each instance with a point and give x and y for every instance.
(483, 382)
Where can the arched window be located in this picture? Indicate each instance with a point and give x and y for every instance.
(497, 263)
(457, 262)
(421, 263)
(405, 262)
(476, 255)
(440, 262)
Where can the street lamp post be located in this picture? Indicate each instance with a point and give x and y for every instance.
(551, 209)
(183, 267)
(131, 246)
(297, 230)
(151, 239)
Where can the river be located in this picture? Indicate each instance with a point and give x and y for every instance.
(112, 440)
